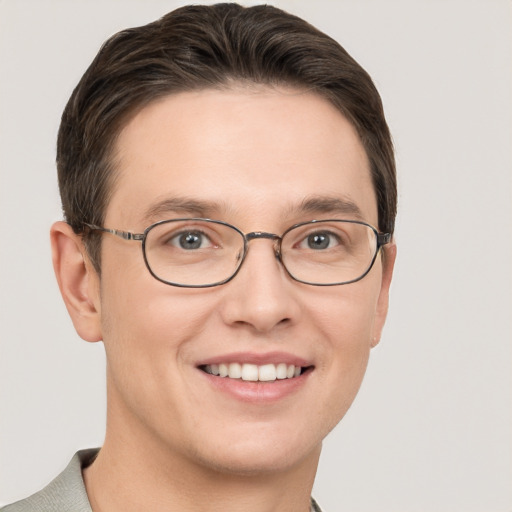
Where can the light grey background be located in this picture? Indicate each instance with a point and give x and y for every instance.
(431, 429)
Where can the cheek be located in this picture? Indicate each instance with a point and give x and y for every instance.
(143, 325)
(137, 311)
(345, 323)
(147, 329)
(346, 314)
(148, 341)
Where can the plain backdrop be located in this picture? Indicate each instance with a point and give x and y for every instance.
(431, 429)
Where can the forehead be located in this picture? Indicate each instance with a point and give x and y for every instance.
(253, 153)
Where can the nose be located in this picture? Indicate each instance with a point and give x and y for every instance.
(262, 296)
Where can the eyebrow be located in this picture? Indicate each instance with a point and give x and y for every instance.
(182, 205)
(330, 205)
(312, 205)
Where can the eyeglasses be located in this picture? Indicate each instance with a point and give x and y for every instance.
(200, 253)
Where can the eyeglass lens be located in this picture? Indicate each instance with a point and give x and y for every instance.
(194, 252)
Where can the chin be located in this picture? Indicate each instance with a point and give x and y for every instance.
(258, 463)
(258, 453)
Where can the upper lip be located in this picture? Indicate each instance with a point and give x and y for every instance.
(256, 358)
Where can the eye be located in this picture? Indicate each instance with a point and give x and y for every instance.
(190, 240)
(320, 240)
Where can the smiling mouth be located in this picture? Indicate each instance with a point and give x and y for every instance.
(255, 373)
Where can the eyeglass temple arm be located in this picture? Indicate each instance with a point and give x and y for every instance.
(383, 239)
(126, 235)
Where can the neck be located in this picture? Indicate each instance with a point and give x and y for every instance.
(135, 471)
(115, 484)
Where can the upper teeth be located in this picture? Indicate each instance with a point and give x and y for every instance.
(253, 372)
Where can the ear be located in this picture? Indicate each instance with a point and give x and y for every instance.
(388, 256)
(78, 281)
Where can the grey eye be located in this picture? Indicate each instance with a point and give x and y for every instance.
(190, 240)
(319, 241)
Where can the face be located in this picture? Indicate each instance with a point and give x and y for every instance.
(252, 158)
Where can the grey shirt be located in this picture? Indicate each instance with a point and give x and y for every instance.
(67, 492)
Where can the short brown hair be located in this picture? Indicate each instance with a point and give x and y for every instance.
(199, 47)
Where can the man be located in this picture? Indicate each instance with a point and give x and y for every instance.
(228, 183)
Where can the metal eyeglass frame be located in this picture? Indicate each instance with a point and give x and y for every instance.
(382, 239)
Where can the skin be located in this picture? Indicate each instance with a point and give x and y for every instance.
(174, 441)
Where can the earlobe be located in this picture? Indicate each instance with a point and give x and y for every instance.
(78, 281)
(388, 264)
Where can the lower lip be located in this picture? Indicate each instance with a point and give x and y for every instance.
(258, 392)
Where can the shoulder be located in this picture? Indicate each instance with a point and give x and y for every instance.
(64, 493)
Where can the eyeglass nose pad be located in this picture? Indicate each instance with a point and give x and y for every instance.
(277, 250)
